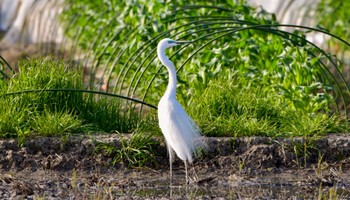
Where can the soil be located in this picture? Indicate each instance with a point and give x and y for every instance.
(235, 168)
(13, 54)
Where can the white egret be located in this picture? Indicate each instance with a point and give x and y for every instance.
(181, 133)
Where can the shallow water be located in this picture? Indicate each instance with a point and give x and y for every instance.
(262, 191)
(268, 187)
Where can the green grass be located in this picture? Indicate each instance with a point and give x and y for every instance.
(13, 117)
(136, 151)
(25, 113)
(226, 109)
(230, 40)
(337, 24)
(107, 114)
(46, 74)
(53, 113)
(56, 123)
(233, 80)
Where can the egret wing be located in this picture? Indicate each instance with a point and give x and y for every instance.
(179, 130)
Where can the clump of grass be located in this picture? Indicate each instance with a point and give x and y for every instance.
(13, 117)
(27, 107)
(48, 74)
(55, 123)
(108, 114)
(136, 151)
(227, 109)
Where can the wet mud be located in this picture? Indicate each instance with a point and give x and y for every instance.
(230, 168)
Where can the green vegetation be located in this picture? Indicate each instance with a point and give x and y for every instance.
(336, 23)
(241, 76)
(227, 109)
(136, 151)
(55, 123)
(24, 112)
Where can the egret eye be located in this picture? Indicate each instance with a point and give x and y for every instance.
(171, 41)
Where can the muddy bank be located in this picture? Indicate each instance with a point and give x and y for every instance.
(245, 167)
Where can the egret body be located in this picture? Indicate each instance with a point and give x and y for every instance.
(181, 134)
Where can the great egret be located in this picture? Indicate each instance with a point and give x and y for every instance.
(181, 133)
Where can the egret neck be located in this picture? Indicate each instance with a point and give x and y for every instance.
(171, 88)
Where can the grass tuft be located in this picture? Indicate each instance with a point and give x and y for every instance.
(56, 123)
(226, 109)
(107, 114)
(136, 151)
(57, 112)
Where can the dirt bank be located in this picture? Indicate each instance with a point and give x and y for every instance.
(249, 167)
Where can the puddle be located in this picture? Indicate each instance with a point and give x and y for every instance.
(261, 187)
(253, 191)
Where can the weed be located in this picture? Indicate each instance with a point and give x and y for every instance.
(47, 74)
(107, 114)
(320, 166)
(136, 151)
(56, 123)
(13, 117)
(304, 149)
(331, 194)
(243, 75)
(227, 109)
(32, 102)
(74, 180)
(241, 164)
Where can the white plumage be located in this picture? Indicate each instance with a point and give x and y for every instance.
(181, 133)
(179, 130)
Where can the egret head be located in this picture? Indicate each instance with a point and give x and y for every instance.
(162, 46)
(166, 43)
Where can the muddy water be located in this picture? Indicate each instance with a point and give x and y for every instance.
(280, 185)
(160, 189)
(232, 168)
(244, 192)
(283, 185)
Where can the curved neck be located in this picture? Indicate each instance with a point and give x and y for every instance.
(171, 88)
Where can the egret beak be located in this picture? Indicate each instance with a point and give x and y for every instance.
(183, 42)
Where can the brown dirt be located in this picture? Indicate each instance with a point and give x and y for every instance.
(15, 53)
(249, 167)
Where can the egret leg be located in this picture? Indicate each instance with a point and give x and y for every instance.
(187, 180)
(171, 170)
(171, 159)
(171, 177)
